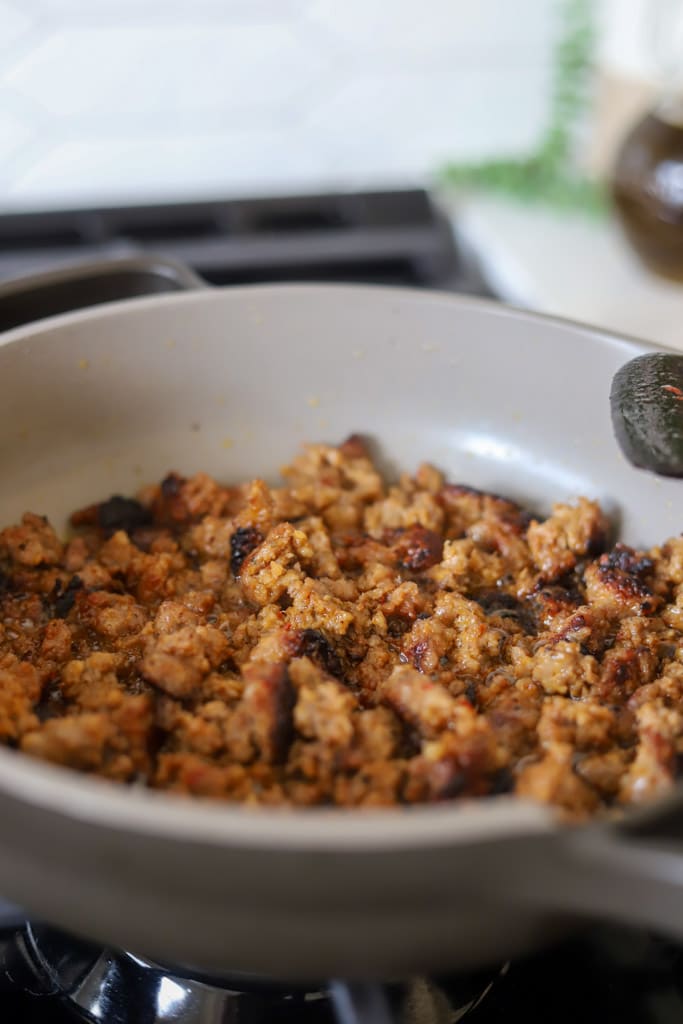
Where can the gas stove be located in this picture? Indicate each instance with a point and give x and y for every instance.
(600, 976)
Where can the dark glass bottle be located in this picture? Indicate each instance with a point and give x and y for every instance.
(647, 186)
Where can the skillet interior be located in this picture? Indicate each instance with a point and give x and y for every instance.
(232, 381)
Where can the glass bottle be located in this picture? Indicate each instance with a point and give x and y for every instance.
(647, 180)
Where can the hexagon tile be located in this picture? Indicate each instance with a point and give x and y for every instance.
(15, 20)
(124, 100)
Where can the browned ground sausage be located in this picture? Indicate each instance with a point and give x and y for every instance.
(341, 640)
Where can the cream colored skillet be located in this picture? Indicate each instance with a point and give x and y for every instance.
(231, 381)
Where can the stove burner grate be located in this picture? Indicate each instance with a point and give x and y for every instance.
(106, 986)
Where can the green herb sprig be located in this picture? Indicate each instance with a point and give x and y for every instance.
(549, 175)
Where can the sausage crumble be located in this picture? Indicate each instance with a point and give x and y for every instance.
(342, 641)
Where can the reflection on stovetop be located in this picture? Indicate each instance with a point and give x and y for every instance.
(601, 976)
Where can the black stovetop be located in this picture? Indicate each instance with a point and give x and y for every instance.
(604, 975)
(396, 237)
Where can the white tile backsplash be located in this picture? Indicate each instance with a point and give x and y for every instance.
(140, 11)
(13, 133)
(120, 100)
(159, 169)
(440, 31)
(146, 72)
(14, 22)
(382, 121)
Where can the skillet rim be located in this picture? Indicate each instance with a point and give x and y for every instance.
(102, 803)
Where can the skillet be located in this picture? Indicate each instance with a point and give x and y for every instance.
(231, 381)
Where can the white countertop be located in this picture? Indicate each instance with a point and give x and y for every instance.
(569, 265)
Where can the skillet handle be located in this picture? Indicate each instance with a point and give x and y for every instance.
(630, 874)
(37, 296)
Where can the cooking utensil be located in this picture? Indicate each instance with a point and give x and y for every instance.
(231, 381)
(647, 412)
